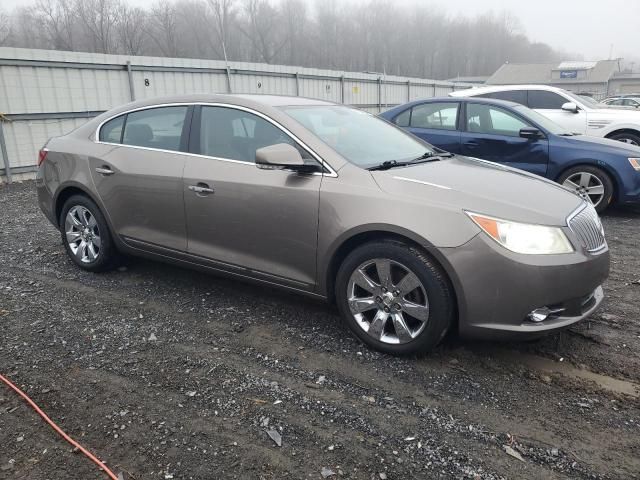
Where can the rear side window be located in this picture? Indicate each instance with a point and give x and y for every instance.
(517, 96)
(112, 130)
(543, 100)
(441, 116)
(155, 128)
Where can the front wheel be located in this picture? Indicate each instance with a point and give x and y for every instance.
(394, 298)
(630, 138)
(591, 183)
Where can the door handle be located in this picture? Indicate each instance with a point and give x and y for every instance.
(471, 144)
(104, 170)
(201, 189)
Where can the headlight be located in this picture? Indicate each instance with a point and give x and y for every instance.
(635, 163)
(522, 237)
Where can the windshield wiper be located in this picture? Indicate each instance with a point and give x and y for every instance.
(425, 157)
(432, 156)
(387, 165)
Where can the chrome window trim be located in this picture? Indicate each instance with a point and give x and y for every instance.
(320, 160)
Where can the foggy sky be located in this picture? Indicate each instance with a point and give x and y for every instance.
(586, 27)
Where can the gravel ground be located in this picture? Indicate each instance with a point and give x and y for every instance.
(166, 373)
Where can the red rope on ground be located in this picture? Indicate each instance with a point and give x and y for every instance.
(100, 465)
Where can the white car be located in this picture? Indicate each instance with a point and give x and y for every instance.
(568, 110)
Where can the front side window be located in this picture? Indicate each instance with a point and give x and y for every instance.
(441, 116)
(155, 128)
(361, 138)
(235, 134)
(493, 121)
(543, 100)
(112, 130)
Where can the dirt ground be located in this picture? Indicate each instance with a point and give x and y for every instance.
(169, 374)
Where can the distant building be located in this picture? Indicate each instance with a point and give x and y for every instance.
(475, 80)
(598, 79)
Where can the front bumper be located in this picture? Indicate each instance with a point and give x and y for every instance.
(497, 289)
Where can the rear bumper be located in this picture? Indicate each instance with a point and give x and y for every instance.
(497, 289)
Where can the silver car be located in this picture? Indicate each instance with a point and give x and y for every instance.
(410, 242)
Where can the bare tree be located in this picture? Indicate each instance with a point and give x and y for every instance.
(130, 29)
(5, 27)
(162, 28)
(58, 19)
(370, 35)
(224, 15)
(294, 13)
(98, 20)
(261, 28)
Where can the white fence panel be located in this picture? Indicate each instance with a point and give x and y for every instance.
(47, 93)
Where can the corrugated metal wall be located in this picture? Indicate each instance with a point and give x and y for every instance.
(44, 93)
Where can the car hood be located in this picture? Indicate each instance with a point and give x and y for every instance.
(463, 183)
(602, 145)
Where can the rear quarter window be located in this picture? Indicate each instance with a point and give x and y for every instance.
(112, 130)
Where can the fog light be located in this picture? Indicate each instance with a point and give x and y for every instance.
(542, 314)
(539, 314)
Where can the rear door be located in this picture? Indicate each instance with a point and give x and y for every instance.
(436, 123)
(140, 179)
(493, 133)
(249, 220)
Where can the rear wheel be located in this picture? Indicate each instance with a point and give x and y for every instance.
(591, 183)
(86, 236)
(630, 138)
(394, 298)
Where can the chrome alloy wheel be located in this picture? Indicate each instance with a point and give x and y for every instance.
(587, 185)
(630, 141)
(388, 301)
(83, 234)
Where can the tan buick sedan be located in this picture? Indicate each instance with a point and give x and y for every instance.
(330, 201)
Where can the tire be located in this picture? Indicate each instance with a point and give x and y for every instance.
(424, 330)
(86, 222)
(598, 180)
(631, 138)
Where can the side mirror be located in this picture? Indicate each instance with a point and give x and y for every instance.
(280, 155)
(570, 107)
(530, 132)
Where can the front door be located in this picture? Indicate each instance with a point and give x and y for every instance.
(140, 179)
(263, 223)
(493, 133)
(550, 104)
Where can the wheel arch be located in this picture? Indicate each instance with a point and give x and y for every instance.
(618, 131)
(353, 239)
(70, 189)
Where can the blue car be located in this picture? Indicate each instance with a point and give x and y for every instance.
(603, 171)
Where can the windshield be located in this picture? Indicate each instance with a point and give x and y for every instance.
(587, 99)
(541, 120)
(359, 137)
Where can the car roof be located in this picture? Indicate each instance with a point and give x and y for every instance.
(247, 100)
(489, 101)
(501, 88)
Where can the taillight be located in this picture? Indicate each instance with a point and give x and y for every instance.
(42, 155)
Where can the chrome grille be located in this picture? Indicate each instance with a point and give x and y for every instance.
(586, 225)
